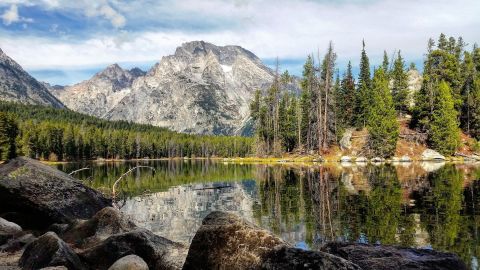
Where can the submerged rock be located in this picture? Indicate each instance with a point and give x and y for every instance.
(371, 257)
(432, 155)
(44, 195)
(225, 241)
(105, 223)
(49, 250)
(130, 262)
(158, 252)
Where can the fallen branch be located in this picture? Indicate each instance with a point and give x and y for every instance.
(467, 156)
(114, 193)
(82, 169)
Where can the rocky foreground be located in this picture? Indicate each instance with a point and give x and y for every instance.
(49, 220)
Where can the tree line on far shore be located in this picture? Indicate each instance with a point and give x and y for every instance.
(60, 134)
(315, 119)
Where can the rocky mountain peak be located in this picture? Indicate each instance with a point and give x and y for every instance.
(18, 86)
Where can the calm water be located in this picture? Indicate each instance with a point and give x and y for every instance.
(422, 205)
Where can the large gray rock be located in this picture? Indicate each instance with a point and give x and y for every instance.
(16, 244)
(105, 223)
(158, 252)
(49, 250)
(18, 86)
(130, 262)
(345, 142)
(44, 195)
(8, 230)
(225, 241)
(371, 257)
(432, 155)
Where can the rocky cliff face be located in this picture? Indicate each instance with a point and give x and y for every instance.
(17, 85)
(98, 95)
(202, 88)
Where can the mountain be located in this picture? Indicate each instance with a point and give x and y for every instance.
(17, 85)
(202, 88)
(98, 95)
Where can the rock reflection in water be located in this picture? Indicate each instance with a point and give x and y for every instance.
(416, 204)
(178, 212)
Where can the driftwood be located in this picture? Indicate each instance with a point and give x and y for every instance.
(477, 158)
(82, 169)
(114, 193)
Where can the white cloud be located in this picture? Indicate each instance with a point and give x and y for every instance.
(11, 16)
(270, 28)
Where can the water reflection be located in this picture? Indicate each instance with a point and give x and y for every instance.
(417, 205)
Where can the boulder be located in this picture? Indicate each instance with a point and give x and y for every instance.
(345, 142)
(49, 250)
(225, 241)
(55, 268)
(361, 160)
(432, 155)
(45, 195)
(345, 159)
(16, 244)
(405, 159)
(8, 230)
(158, 252)
(130, 262)
(377, 160)
(371, 257)
(105, 223)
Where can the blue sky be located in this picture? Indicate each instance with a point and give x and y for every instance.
(66, 41)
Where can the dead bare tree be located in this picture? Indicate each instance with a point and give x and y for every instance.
(82, 169)
(114, 193)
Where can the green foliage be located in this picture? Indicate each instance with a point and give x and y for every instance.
(345, 99)
(382, 124)
(443, 130)
(8, 135)
(400, 85)
(364, 93)
(59, 134)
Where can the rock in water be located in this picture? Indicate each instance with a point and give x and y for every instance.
(105, 223)
(371, 257)
(49, 250)
(432, 155)
(158, 252)
(44, 195)
(225, 241)
(130, 262)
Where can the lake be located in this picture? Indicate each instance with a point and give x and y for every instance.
(427, 205)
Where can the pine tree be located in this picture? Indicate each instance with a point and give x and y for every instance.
(363, 97)
(443, 131)
(307, 85)
(386, 64)
(8, 135)
(474, 109)
(383, 128)
(345, 99)
(400, 84)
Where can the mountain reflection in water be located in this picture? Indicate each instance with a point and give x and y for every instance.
(427, 205)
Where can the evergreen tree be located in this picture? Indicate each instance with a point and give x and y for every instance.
(474, 109)
(345, 99)
(383, 128)
(386, 64)
(363, 97)
(400, 84)
(8, 135)
(307, 85)
(443, 131)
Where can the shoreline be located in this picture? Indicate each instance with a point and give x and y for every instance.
(278, 160)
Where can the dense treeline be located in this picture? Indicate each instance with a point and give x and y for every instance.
(314, 120)
(58, 134)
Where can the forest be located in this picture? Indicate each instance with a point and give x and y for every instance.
(315, 119)
(60, 134)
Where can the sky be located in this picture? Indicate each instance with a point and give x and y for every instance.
(67, 41)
